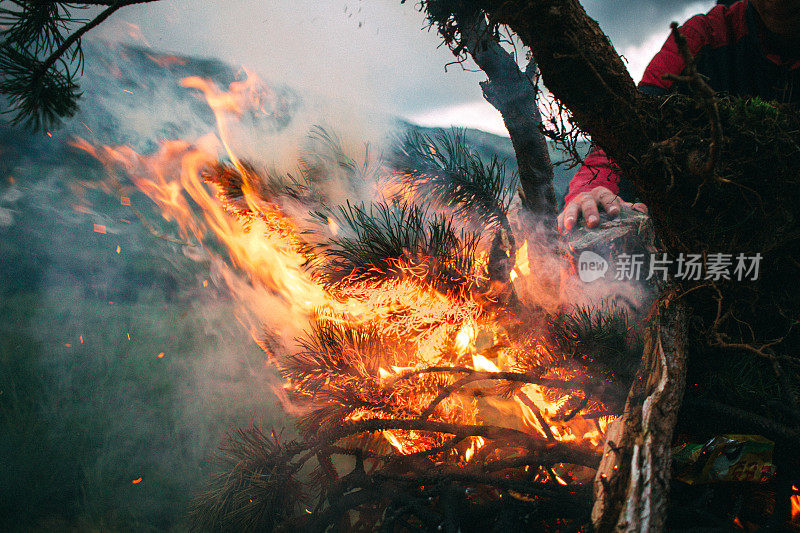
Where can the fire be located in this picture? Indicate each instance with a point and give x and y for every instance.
(394, 441)
(479, 362)
(795, 499)
(475, 445)
(407, 347)
(333, 226)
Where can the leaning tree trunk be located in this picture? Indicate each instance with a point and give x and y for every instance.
(515, 95)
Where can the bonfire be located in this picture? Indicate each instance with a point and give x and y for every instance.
(435, 376)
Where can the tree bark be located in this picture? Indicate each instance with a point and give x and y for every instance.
(515, 95)
(632, 483)
(580, 67)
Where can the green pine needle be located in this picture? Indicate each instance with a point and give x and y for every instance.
(373, 241)
(256, 489)
(445, 169)
(39, 97)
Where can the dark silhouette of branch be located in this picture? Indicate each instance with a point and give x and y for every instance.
(567, 452)
(39, 92)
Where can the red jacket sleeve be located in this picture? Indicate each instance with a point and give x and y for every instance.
(710, 29)
(596, 171)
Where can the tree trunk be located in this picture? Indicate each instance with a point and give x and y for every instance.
(515, 95)
(579, 65)
(632, 483)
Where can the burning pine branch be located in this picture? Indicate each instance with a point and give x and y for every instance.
(427, 394)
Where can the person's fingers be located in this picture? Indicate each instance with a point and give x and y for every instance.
(571, 215)
(587, 204)
(590, 212)
(609, 200)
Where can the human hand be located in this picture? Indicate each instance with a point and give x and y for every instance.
(586, 204)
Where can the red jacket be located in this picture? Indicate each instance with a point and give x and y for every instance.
(737, 54)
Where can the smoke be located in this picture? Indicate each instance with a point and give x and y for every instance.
(121, 357)
(88, 405)
(374, 53)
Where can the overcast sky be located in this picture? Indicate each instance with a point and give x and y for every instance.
(373, 53)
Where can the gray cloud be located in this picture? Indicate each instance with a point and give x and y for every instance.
(631, 22)
(372, 53)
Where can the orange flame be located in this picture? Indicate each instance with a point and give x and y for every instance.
(264, 244)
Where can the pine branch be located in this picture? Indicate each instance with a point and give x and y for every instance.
(39, 92)
(379, 241)
(445, 169)
(257, 489)
(569, 453)
(332, 349)
(325, 160)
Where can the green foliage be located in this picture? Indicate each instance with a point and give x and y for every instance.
(604, 338)
(331, 348)
(445, 169)
(257, 490)
(39, 93)
(375, 241)
(754, 109)
(325, 155)
(606, 324)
